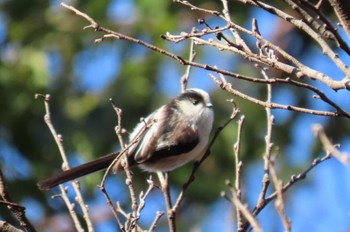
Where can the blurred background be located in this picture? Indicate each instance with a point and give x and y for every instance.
(43, 49)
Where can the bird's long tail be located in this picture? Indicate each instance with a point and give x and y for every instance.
(79, 171)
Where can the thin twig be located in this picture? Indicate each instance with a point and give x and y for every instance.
(245, 211)
(226, 15)
(130, 221)
(113, 209)
(164, 182)
(113, 34)
(130, 224)
(17, 210)
(326, 29)
(196, 165)
(268, 143)
(155, 222)
(302, 71)
(293, 180)
(300, 24)
(268, 164)
(186, 76)
(329, 147)
(119, 129)
(59, 141)
(7, 227)
(279, 203)
(129, 175)
(143, 196)
(299, 71)
(228, 87)
(238, 167)
(6, 202)
(134, 141)
(342, 9)
(196, 8)
(70, 206)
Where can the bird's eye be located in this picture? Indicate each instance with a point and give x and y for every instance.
(195, 102)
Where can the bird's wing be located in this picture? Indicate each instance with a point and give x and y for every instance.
(179, 140)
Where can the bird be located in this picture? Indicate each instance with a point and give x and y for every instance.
(178, 133)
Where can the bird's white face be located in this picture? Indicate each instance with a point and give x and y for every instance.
(196, 107)
(195, 104)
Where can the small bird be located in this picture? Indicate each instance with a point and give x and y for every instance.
(178, 133)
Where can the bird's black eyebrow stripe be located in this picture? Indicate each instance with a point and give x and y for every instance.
(191, 95)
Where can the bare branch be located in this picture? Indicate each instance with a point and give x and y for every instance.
(342, 10)
(79, 197)
(245, 211)
(17, 210)
(6, 227)
(329, 147)
(113, 209)
(155, 222)
(195, 8)
(293, 180)
(279, 203)
(326, 49)
(186, 76)
(268, 145)
(228, 87)
(226, 15)
(164, 182)
(326, 29)
(238, 168)
(196, 165)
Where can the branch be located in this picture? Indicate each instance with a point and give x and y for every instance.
(226, 15)
(196, 165)
(113, 209)
(245, 211)
(326, 29)
(326, 49)
(17, 210)
(301, 71)
(279, 203)
(342, 10)
(186, 76)
(6, 227)
(268, 145)
(131, 222)
(228, 87)
(79, 197)
(113, 34)
(329, 147)
(155, 222)
(293, 180)
(171, 213)
(129, 175)
(238, 167)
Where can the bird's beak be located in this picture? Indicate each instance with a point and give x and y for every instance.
(209, 105)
